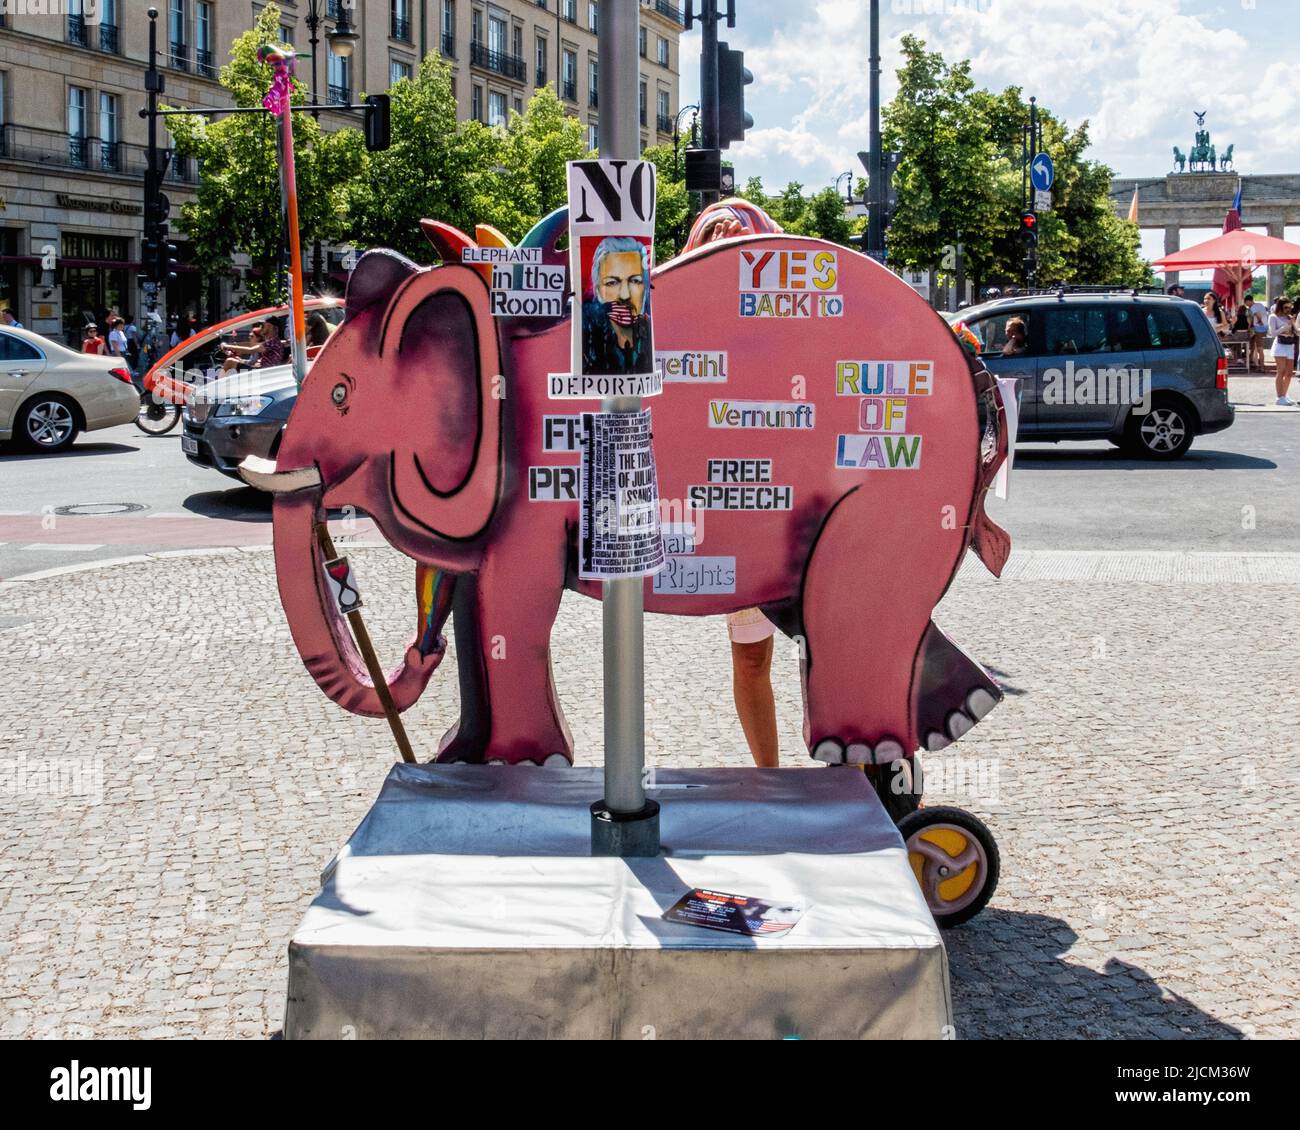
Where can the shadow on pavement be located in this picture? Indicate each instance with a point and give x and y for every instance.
(1198, 459)
(1010, 980)
(238, 504)
(16, 454)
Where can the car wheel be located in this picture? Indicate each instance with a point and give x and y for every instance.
(1166, 431)
(48, 423)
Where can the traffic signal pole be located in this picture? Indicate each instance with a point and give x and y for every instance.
(709, 111)
(876, 170)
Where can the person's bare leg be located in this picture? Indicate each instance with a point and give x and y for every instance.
(1283, 379)
(751, 671)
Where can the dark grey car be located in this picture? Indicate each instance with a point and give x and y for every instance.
(239, 415)
(1145, 371)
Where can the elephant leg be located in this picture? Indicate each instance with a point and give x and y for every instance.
(467, 740)
(865, 614)
(510, 712)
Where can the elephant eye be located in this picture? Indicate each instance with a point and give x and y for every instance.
(339, 394)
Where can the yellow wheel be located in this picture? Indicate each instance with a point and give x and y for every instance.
(955, 860)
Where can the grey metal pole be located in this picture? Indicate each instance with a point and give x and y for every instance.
(626, 826)
(709, 94)
(876, 173)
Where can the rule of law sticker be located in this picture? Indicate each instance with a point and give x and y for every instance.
(735, 914)
(342, 585)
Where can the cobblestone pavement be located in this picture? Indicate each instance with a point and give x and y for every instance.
(1141, 780)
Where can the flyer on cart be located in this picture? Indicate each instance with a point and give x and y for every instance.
(736, 914)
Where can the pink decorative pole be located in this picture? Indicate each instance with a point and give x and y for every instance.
(277, 100)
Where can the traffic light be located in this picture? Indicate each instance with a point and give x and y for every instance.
(166, 259)
(703, 170)
(733, 77)
(379, 130)
(1029, 229)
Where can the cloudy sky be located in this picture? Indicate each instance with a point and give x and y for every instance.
(1135, 69)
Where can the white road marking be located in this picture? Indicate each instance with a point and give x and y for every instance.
(64, 547)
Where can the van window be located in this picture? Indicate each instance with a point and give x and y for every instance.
(15, 349)
(1168, 329)
(1074, 329)
(992, 332)
(1127, 331)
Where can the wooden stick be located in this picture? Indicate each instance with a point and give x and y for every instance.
(367, 649)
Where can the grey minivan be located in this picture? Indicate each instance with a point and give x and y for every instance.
(1145, 371)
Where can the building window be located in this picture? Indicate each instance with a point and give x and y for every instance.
(77, 34)
(203, 24)
(519, 105)
(398, 70)
(286, 37)
(539, 64)
(399, 19)
(663, 51)
(593, 84)
(593, 136)
(496, 35)
(449, 28)
(77, 126)
(593, 16)
(340, 79)
(496, 108)
(108, 132)
(177, 49)
(569, 10)
(476, 103)
(643, 97)
(644, 40)
(108, 27)
(569, 76)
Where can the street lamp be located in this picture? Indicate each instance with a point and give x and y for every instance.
(677, 129)
(848, 199)
(343, 38)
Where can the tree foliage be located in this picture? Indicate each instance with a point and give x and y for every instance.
(237, 204)
(959, 180)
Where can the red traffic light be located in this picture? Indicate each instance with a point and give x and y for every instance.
(1028, 221)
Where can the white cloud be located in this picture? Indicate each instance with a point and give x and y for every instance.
(1134, 68)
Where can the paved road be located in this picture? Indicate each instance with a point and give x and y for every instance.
(1142, 778)
(1234, 491)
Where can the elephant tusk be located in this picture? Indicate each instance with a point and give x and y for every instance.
(262, 474)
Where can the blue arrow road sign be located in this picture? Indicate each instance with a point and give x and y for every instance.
(1042, 172)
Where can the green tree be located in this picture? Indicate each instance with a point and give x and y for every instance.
(960, 178)
(237, 204)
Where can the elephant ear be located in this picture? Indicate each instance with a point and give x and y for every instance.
(439, 349)
(377, 275)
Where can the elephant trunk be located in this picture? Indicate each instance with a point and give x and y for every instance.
(319, 632)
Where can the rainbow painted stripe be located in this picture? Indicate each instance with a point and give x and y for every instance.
(433, 592)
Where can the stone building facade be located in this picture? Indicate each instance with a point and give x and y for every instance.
(72, 143)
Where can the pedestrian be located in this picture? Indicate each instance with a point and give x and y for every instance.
(1258, 332)
(132, 332)
(91, 342)
(1175, 291)
(318, 330)
(1241, 322)
(1282, 327)
(752, 634)
(1212, 308)
(117, 339)
(7, 316)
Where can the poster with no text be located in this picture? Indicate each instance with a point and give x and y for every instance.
(619, 534)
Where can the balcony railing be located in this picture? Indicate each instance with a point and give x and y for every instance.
(539, 76)
(57, 149)
(593, 98)
(510, 66)
(78, 151)
(77, 31)
(664, 123)
(340, 95)
(569, 90)
(178, 56)
(108, 38)
(332, 9)
(449, 45)
(203, 65)
(399, 27)
(672, 11)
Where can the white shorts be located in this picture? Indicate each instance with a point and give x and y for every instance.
(749, 625)
(1286, 352)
